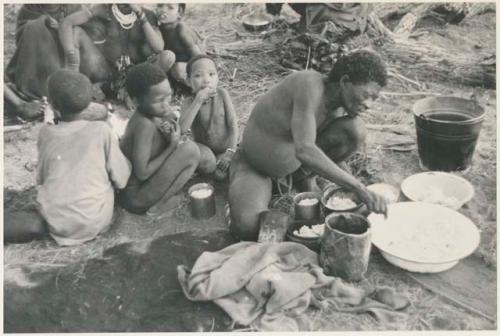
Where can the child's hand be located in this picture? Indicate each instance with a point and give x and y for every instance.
(137, 9)
(175, 135)
(225, 161)
(205, 94)
(51, 22)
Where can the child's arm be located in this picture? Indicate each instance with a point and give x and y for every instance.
(71, 55)
(117, 165)
(151, 32)
(188, 39)
(189, 111)
(143, 165)
(231, 120)
(232, 125)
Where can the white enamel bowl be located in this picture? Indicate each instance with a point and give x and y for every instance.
(423, 237)
(438, 187)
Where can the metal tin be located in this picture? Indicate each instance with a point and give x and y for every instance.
(307, 212)
(345, 246)
(202, 208)
(273, 225)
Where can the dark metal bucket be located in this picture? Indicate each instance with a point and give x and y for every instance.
(447, 132)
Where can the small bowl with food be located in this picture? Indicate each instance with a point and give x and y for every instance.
(306, 232)
(339, 199)
(440, 188)
(307, 206)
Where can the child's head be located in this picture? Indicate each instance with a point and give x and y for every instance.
(69, 92)
(360, 76)
(148, 86)
(169, 12)
(202, 72)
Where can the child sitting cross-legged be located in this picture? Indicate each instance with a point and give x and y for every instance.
(210, 115)
(162, 160)
(79, 163)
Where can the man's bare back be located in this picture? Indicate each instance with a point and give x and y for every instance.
(267, 141)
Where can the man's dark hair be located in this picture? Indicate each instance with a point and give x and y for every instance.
(69, 91)
(141, 77)
(189, 66)
(361, 66)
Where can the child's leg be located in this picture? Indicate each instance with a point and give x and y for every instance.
(208, 162)
(23, 226)
(170, 178)
(178, 72)
(165, 59)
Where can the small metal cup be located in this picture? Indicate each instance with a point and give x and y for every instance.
(202, 208)
(307, 212)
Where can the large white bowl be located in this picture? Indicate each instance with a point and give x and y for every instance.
(439, 188)
(423, 237)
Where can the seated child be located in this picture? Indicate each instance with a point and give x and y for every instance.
(209, 113)
(79, 162)
(179, 38)
(162, 162)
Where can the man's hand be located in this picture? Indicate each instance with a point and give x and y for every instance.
(374, 202)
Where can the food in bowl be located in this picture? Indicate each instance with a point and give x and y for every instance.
(340, 203)
(201, 193)
(310, 232)
(437, 196)
(387, 191)
(308, 201)
(423, 237)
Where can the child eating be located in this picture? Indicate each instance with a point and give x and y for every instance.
(162, 162)
(179, 38)
(79, 162)
(210, 114)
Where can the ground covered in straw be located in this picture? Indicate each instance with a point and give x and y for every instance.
(248, 66)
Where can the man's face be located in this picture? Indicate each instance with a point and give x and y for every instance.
(358, 98)
(156, 102)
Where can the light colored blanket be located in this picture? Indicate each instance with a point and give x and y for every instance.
(268, 285)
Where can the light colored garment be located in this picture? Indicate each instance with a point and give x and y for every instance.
(78, 164)
(269, 286)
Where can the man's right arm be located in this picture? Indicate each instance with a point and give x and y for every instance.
(303, 125)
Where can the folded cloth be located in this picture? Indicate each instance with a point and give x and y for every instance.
(268, 285)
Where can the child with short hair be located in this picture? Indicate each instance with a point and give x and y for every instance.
(79, 162)
(210, 114)
(162, 160)
(179, 38)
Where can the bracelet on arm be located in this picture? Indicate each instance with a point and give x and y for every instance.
(230, 150)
